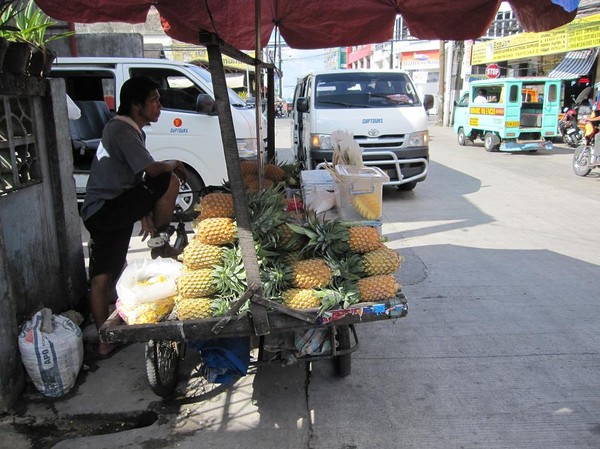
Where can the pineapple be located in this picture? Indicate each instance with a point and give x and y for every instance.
(300, 298)
(381, 261)
(215, 231)
(198, 255)
(197, 308)
(376, 288)
(252, 185)
(196, 283)
(288, 239)
(311, 273)
(363, 239)
(217, 204)
(249, 167)
(274, 172)
(368, 205)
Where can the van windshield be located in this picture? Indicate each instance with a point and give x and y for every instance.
(364, 90)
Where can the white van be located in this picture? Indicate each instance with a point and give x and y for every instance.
(381, 108)
(187, 130)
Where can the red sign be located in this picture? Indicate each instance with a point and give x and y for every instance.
(492, 71)
(177, 122)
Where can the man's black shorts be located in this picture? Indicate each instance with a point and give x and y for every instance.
(111, 227)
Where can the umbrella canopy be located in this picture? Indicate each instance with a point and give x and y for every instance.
(315, 23)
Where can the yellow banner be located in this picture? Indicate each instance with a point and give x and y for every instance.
(578, 35)
(482, 110)
(184, 53)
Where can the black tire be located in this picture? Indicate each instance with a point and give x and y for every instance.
(462, 137)
(489, 142)
(343, 363)
(189, 195)
(162, 366)
(407, 187)
(582, 159)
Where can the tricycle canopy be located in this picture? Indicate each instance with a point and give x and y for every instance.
(316, 23)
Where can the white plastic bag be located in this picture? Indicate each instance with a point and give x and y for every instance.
(148, 280)
(51, 349)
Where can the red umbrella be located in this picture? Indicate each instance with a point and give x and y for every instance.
(313, 23)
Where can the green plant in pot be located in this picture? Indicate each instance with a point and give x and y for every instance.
(32, 27)
(7, 12)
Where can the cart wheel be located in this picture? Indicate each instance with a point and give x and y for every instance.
(162, 366)
(343, 363)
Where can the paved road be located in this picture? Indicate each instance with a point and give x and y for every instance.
(500, 348)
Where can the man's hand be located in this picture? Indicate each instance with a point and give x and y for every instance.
(179, 170)
(148, 228)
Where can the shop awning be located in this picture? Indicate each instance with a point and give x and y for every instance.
(575, 64)
(315, 23)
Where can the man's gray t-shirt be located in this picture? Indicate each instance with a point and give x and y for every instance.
(118, 166)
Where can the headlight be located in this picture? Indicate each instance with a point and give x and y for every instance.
(321, 141)
(246, 148)
(420, 139)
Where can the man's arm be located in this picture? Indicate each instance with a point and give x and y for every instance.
(158, 167)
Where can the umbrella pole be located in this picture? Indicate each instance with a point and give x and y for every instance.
(234, 172)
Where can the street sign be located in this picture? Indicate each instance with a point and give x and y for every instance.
(492, 71)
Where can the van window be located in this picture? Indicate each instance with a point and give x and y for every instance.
(176, 90)
(364, 90)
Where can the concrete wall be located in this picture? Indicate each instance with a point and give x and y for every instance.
(129, 45)
(41, 254)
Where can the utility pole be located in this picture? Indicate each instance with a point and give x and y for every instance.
(441, 83)
(392, 46)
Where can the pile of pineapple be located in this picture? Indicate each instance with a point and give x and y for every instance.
(304, 262)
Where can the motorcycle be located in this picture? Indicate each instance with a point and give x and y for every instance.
(587, 156)
(568, 127)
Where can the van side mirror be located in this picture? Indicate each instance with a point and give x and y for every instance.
(428, 101)
(302, 104)
(205, 104)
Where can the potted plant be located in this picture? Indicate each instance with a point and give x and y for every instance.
(32, 25)
(7, 12)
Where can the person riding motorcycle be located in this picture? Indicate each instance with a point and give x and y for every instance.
(592, 127)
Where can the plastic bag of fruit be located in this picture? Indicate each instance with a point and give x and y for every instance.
(147, 281)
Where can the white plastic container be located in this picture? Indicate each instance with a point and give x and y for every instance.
(359, 191)
(317, 190)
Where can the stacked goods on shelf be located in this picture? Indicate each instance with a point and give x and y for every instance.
(304, 262)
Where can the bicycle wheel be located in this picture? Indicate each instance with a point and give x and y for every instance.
(162, 366)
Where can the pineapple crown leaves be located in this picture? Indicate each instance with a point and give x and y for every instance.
(276, 277)
(230, 279)
(328, 238)
(266, 213)
(349, 268)
(342, 296)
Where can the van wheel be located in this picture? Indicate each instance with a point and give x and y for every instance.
(490, 142)
(189, 193)
(462, 138)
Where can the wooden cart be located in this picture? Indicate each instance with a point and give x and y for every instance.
(164, 340)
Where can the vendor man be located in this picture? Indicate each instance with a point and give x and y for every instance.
(126, 185)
